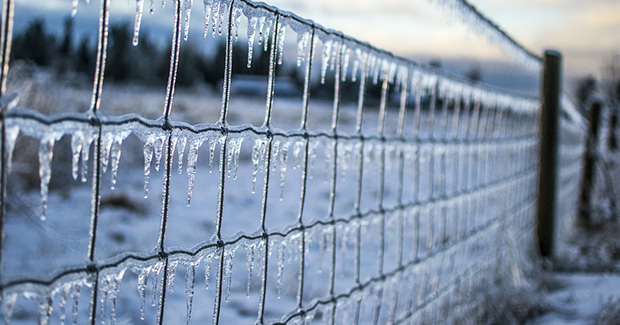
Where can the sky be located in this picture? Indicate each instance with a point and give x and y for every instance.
(585, 32)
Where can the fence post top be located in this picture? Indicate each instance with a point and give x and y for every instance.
(551, 52)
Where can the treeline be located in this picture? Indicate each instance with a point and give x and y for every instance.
(149, 63)
(146, 63)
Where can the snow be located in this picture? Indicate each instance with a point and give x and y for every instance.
(580, 298)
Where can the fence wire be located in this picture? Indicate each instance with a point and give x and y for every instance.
(441, 202)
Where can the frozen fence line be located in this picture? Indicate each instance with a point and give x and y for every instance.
(443, 188)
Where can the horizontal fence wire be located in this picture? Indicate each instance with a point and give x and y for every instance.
(437, 177)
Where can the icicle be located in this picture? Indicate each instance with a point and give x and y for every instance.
(346, 58)
(62, 303)
(237, 154)
(115, 157)
(106, 145)
(142, 282)
(46, 152)
(249, 249)
(283, 164)
(46, 305)
(159, 144)
(190, 279)
(11, 136)
(229, 256)
(268, 24)
(302, 46)
(76, 150)
(325, 59)
(275, 152)
(208, 259)
(236, 20)
(356, 64)
(256, 155)
(151, 8)
(85, 153)
(115, 285)
(230, 153)
(281, 250)
(74, 6)
(212, 154)
(155, 270)
(75, 296)
(261, 27)
(172, 271)
(138, 21)
(192, 158)
(208, 8)
(187, 10)
(281, 34)
(8, 301)
(215, 16)
(148, 156)
(251, 31)
(223, 17)
(182, 143)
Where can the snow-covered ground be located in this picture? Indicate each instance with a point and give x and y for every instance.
(583, 298)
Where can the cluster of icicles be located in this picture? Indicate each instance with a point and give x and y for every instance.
(148, 274)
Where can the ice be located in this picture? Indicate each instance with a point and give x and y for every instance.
(327, 45)
(229, 256)
(212, 154)
(223, 16)
(215, 16)
(187, 10)
(8, 301)
(267, 31)
(346, 59)
(46, 305)
(172, 271)
(237, 154)
(236, 20)
(250, 248)
(251, 31)
(138, 21)
(110, 288)
(261, 27)
(62, 303)
(283, 164)
(190, 280)
(74, 6)
(208, 8)
(258, 154)
(143, 275)
(181, 144)
(46, 152)
(154, 271)
(192, 158)
(115, 154)
(302, 46)
(148, 156)
(213, 254)
(11, 136)
(281, 33)
(75, 296)
(281, 250)
(158, 147)
(151, 7)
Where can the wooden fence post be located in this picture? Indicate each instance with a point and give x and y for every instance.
(584, 220)
(549, 125)
(613, 124)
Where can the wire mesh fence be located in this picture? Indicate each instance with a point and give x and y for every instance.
(397, 200)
